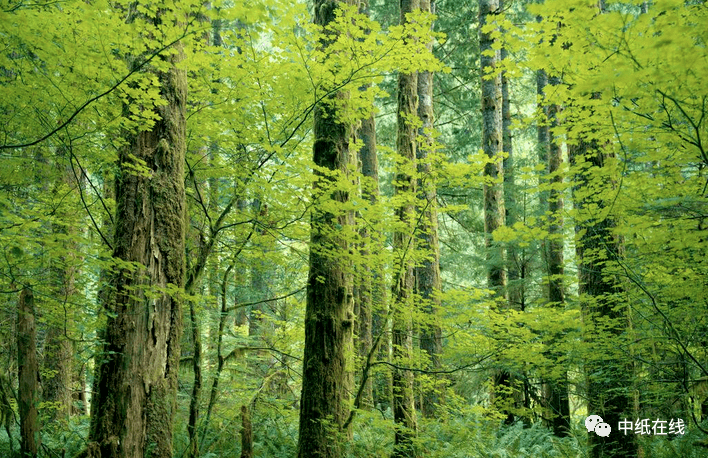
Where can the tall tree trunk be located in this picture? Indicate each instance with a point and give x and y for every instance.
(369, 164)
(135, 395)
(515, 279)
(515, 257)
(329, 319)
(494, 212)
(427, 275)
(58, 349)
(28, 374)
(372, 309)
(555, 391)
(403, 245)
(608, 377)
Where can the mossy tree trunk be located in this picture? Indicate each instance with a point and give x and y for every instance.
(28, 374)
(403, 289)
(609, 377)
(329, 318)
(137, 378)
(503, 383)
(555, 391)
(427, 274)
(369, 274)
(58, 349)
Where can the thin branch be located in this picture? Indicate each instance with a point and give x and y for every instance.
(272, 299)
(96, 97)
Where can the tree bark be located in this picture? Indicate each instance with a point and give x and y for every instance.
(135, 394)
(609, 380)
(369, 276)
(403, 245)
(28, 374)
(58, 349)
(427, 274)
(329, 318)
(193, 448)
(555, 391)
(373, 302)
(246, 433)
(494, 212)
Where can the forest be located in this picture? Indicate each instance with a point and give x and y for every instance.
(353, 228)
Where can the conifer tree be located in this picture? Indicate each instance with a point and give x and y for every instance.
(427, 274)
(555, 391)
(404, 413)
(329, 319)
(134, 402)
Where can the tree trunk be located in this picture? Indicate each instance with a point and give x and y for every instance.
(555, 391)
(427, 275)
(135, 395)
(58, 350)
(494, 212)
(609, 379)
(246, 433)
(28, 374)
(369, 275)
(7, 414)
(220, 359)
(403, 245)
(515, 273)
(329, 319)
(193, 449)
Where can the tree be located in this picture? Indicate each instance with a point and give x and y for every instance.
(427, 274)
(371, 290)
(28, 374)
(608, 380)
(329, 319)
(403, 245)
(494, 212)
(134, 403)
(555, 389)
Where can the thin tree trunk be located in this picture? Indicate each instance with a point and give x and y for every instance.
(427, 275)
(403, 245)
(329, 318)
(517, 300)
(28, 374)
(135, 395)
(193, 449)
(516, 274)
(220, 359)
